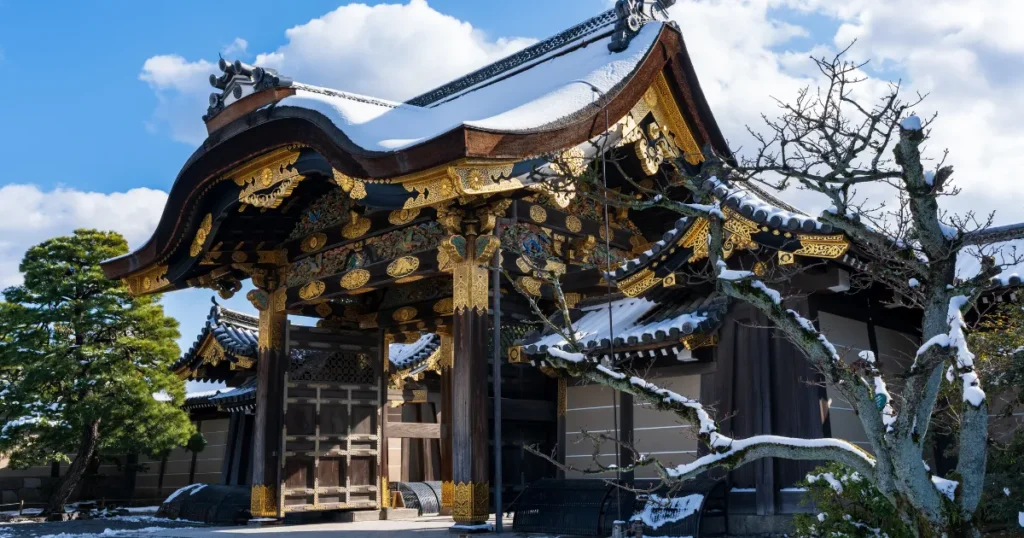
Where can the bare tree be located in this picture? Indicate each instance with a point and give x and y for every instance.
(830, 143)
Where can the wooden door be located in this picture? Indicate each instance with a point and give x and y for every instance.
(332, 421)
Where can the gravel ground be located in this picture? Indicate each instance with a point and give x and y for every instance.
(121, 526)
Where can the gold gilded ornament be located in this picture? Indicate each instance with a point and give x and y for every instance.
(355, 278)
(638, 283)
(356, 227)
(404, 314)
(447, 493)
(312, 290)
(263, 501)
(573, 224)
(313, 242)
(403, 266)
(529, 285)
(444, 307)
(323, 310)
(822, 246)
(273, 171)
(538, 214)
(201, 234)
(471, 502)
(399, 217)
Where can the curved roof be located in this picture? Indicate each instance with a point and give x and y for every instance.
(546, 95)
(637, 322)
(236, 333)
(535, 102)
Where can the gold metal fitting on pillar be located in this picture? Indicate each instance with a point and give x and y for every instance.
(263, 501)
(471, 502)
(447, 493)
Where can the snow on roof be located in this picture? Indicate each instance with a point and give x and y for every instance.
(406, 355)
(594, 325)
(551, 90)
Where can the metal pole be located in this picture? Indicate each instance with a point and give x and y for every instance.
(498, 512)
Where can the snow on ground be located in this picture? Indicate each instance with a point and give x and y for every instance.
(659, 510)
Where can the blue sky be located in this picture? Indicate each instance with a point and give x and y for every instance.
(101, 101)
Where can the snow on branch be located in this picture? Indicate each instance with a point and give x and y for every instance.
(956, 340)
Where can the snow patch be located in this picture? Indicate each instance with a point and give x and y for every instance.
(775, 296)
(179, 491)
(945, 486)
(658, 510)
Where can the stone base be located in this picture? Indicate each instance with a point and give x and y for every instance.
(353, 516)
(400, 513)
(264, 522)
(463, 529)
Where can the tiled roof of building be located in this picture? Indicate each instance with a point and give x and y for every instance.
(235, 332)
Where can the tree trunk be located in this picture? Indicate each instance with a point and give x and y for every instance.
(67, 483)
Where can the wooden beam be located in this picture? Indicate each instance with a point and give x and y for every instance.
(413, 430)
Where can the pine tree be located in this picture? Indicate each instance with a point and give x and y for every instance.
(81, 361)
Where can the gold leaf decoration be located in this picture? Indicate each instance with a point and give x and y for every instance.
(355, 278)
(471, 502)
(312, 290)
(324, 310)
(399, 217)
(638, 283)
(356, 227)
(538, 214)
(444, 307)
(239, 257)
(403, 266)
(201, 234)
(404, 314)
(530, 285)
(274, 171)
(573, 224)
(313, 242)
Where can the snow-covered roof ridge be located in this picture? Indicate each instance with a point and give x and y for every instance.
(762, 208)
(518, 59)
(668, 239)
(551, 90)
(637, 321)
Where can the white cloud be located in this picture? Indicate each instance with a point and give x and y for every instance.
(32, 216)
(962, 52)
(237, 47)
(182, 91)
(392, 51)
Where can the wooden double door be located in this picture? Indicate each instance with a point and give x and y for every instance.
(331, 438)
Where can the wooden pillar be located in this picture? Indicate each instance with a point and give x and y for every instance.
(560, 409)
(447, 485)
(384, 355)
(271, 368)
(626, 435)
(471, 455)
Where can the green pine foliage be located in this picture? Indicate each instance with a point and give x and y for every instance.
(846, 506)
(81, 360)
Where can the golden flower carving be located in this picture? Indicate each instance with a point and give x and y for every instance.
(312, 290)
(355, 278)
(573, 224)
(538, 214)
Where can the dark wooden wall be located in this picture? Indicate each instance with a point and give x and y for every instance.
(763, 385)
